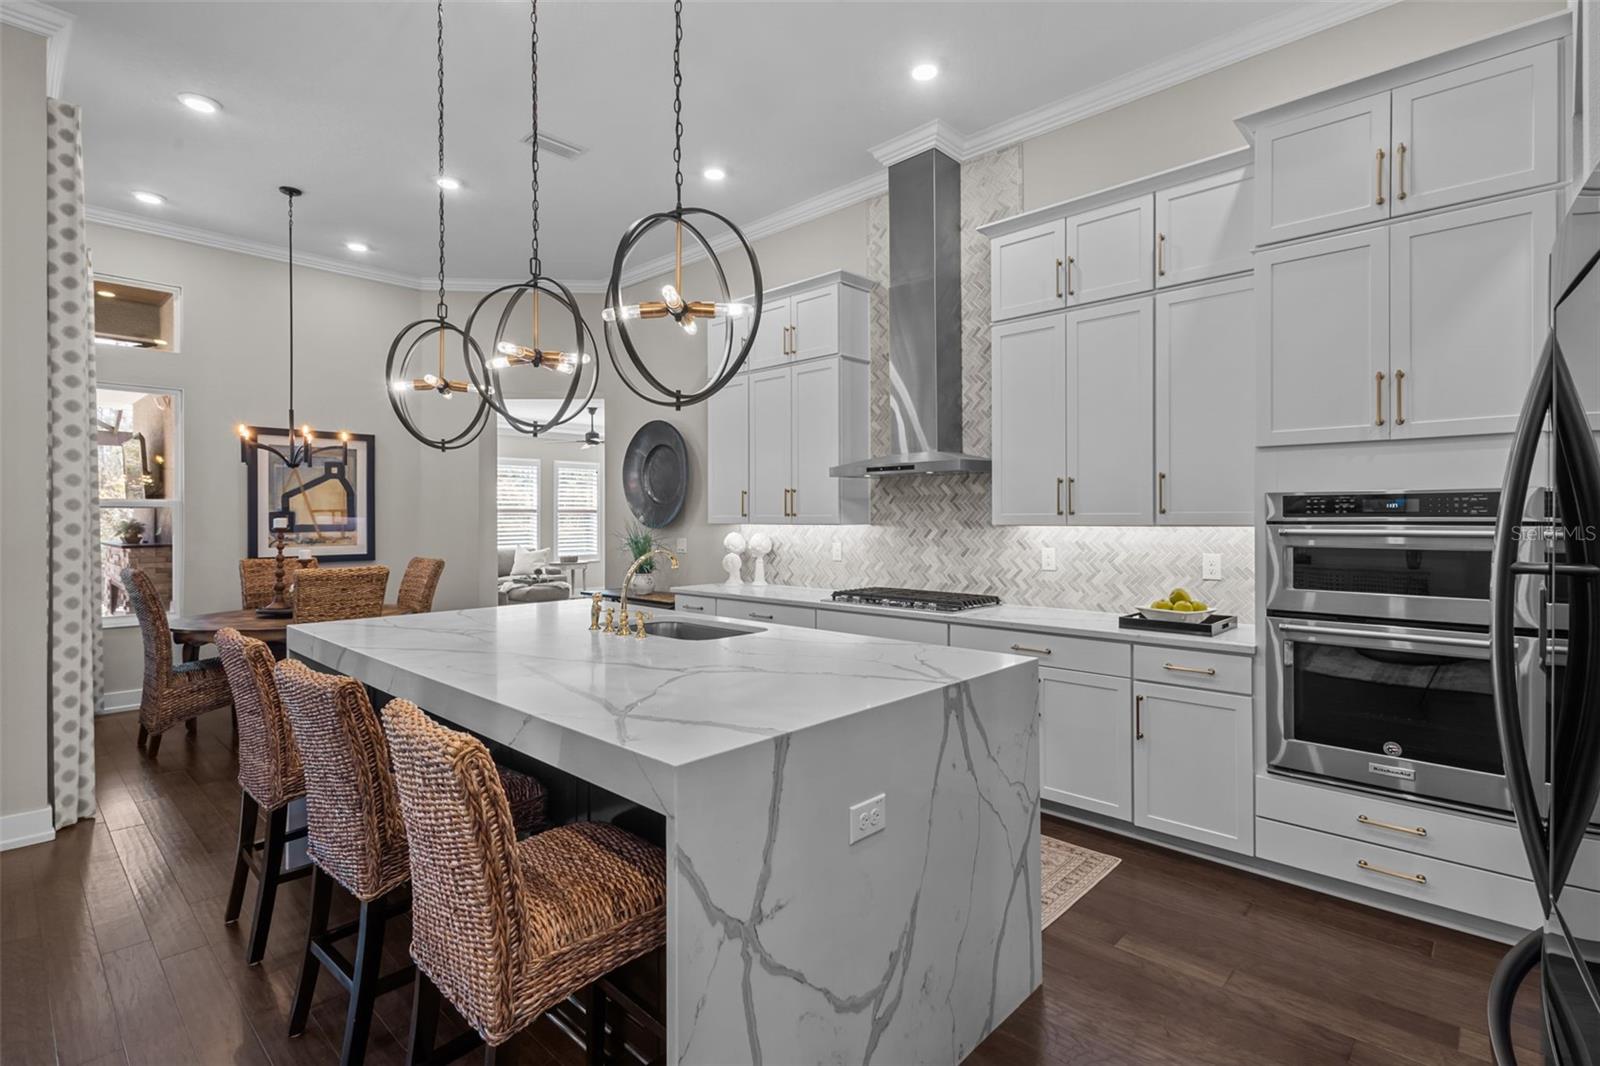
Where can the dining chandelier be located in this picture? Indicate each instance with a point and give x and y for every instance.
(577, 365)
(411, 349)
(684, 311)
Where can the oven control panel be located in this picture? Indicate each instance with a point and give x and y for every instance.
(1378, 505)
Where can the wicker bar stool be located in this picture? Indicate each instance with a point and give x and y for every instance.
(418, 584)
(269, 777)
(257, 575)
(171, 694)
(506, 930)
(326, 594)
(356, 837)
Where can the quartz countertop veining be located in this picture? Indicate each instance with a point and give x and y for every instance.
(1100, 625)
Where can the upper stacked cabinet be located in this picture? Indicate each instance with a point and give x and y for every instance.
(797, 409)
(1122, 367)
(1403, 229)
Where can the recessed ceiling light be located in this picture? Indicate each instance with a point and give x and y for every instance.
(356, 246)
(203, 104)
(107, 293)
(151, 198)
(924, 72)
(447, 183)
(714, 173)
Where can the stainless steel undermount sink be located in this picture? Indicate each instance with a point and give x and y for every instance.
(677, 629)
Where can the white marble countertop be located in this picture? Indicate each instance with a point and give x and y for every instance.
(1101, 625)
(504, 670)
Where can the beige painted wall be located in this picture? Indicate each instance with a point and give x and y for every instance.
(23, 691)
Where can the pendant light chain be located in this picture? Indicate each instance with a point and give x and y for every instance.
(535, 264)
(291, 318)
(677, 98)
(442, 311)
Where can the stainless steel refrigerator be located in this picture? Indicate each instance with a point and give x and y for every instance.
(1551, 494)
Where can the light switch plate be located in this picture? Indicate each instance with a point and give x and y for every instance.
(682, 545)
(838, 552)
(1210, 566)
(868, 817)
(1047, 558)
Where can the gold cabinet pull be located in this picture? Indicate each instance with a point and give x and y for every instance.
(1399, 397)
(1378, 406)
(794, 503)
(1400, 162)
(1209, 671)
(1031, 651)
(744, 503)
(1161, 493)
(794, 340)
(1060, 482)
(1161, 255)
(1138, 718)
(1058, 279)
(1069, 275)
(1417, 879)
(1380, 201)
(1413, 830)
(1071, 508)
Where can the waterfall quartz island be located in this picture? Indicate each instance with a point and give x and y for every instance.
(785, 942)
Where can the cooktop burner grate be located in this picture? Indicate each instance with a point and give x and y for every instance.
(916, 599)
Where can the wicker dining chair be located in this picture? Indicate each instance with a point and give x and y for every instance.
(506, 930)
(356, 837)
(269, 777)
(171, 694)
(256, 577)
(329, 593)
(418, 584)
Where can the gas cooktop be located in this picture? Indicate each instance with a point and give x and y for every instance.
(915, 599)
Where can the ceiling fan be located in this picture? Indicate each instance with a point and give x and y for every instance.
(591, 438)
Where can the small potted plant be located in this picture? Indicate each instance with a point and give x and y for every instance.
(640, 542)
(131, 530)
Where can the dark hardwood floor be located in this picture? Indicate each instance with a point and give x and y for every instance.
(112, 950)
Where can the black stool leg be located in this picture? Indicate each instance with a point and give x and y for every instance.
(144, 735)
(152, 745)
(192, 726)
(267, 888)
(321, 900)
(424, 1020)
(364, 986)
(595, 1016)
(241, 867)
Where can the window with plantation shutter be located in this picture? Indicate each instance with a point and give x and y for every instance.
(578, 510)
(517, 504)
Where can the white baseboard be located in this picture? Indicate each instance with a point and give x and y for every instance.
(26, 827)
(126, 699)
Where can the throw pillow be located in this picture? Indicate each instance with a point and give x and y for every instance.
(528, 561)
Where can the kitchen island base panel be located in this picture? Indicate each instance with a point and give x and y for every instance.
(786, 943)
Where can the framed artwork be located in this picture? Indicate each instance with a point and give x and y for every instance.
(328, 505)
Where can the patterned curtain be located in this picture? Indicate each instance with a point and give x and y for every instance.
(74, 553)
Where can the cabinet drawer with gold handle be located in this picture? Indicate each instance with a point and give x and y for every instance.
(1198, 669)
(1054, 651)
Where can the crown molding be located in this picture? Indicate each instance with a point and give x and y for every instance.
(51, 23)
(935, 134)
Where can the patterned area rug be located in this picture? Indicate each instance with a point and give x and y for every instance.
(1066, 873)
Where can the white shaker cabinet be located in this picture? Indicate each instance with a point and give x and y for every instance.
(1109, 415)
(1203, 228)
(771, 441)
(1323, 171)
(1110, 251)
(1322, 319)
(728, 453)
(1085, 741)
(1205, 404)
(771, 344)
(1027, 271)
(1469, 289)
(1028, 373)
(1192, 765)
(1483, 130)
(804, 420)
(814, 327)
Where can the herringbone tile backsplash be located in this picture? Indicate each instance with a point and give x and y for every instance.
(935, 533)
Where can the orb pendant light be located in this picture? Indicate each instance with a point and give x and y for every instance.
(576, 366)
(685, 311)
(414, 346)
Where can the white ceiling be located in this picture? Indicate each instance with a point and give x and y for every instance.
(338, 98)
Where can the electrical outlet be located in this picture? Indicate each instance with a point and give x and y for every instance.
(682, 545)
(838, 552)
(1047, 558)
(868, 817)
(1210, 566)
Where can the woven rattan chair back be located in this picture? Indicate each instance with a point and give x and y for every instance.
(152, 615)
(329, 593)
(269, 763)
(418, 584)
(353, 825)
(469, 910)
(257, 575)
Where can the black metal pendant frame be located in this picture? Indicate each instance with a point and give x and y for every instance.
(417, 332)
(486, 376)
(665, 395)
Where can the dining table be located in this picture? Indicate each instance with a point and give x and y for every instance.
(194, 631)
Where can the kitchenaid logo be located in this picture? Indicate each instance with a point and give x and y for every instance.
(1383, 769)
(1551, 534)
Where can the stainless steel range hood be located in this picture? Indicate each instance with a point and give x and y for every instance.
(924, 324)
